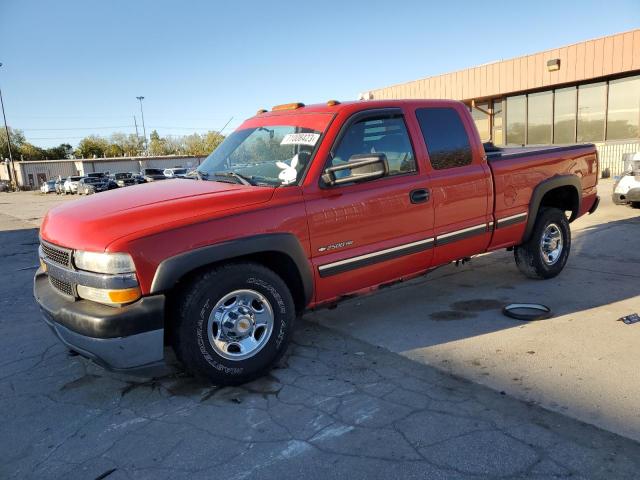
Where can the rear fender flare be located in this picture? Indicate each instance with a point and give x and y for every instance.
(171, 270)
(541, 190)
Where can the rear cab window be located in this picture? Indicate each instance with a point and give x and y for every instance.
(446, 138)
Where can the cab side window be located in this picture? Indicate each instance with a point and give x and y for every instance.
(445, 136)
(378, 135)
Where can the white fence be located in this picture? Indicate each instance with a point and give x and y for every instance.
(611, 155)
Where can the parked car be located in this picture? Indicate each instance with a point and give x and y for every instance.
(177, 172)
(60, 186)
(71, 185)
(138, 178)
(153, 174)
(123, 179)
(627, 189)
(4, 186)
(351, 197)
(90, 185)
(48, 187)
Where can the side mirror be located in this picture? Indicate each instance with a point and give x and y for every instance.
(359, 168)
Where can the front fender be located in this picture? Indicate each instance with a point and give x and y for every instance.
(171, 270)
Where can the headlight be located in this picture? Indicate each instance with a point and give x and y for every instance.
(104, 262)
(109, 297)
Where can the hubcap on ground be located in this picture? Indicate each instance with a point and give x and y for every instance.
(240, 324)
(551, 244)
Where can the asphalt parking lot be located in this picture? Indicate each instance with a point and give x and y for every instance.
(360, 399)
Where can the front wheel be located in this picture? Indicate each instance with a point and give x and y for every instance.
(546, 252)
(233, 323)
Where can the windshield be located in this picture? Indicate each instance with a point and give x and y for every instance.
(179, 171)
(74, 179)
(120, 176)
(268, 155)
(153, 171)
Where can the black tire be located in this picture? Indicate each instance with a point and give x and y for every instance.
(635, 204)
(529, 256)
(200, 296)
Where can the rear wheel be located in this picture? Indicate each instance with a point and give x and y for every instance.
(635, 204)
(546, 252)
(234, 323)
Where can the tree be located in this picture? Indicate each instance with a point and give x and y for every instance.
(122, 144)
(31, 152)
(17, 139)
(92, 146)
(64, 150)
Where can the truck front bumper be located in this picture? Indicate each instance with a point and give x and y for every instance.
(125, 339)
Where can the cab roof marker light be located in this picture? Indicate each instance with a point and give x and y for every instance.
(288, 106)
(261, 111)
(331, 103)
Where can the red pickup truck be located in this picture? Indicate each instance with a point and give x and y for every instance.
(300, 207)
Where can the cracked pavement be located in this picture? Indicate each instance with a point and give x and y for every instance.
(335, 407)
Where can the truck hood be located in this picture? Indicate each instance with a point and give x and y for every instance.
(92, 223)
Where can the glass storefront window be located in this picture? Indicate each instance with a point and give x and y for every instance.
(623, 113)
(480, 114)
(540, 117)
(564, 122)
(498, 138)
(591, 106)
(516, 118)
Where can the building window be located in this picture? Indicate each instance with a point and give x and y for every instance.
(480, 114)
(591, 112)
(564, 111)
(516, 119)
(539, 118)
(497, 137)
(623, 113)
(445, 136)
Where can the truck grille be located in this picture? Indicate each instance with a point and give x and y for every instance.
(61, 286)
(57, 255)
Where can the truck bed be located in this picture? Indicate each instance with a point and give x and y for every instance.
(495, 154)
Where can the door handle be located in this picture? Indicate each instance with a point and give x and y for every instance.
(420, 195)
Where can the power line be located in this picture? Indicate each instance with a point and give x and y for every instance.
(73, 128)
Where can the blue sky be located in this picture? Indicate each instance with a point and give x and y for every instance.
(73, 66)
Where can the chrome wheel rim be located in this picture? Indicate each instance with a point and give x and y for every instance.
(240, 324)
(551, 244)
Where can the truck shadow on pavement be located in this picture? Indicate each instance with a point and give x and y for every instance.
(64, 417)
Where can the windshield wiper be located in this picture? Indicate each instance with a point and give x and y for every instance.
(244, 180)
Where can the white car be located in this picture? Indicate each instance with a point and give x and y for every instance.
(177, 172)
(627, 188)
(48, 187)
(71, 185)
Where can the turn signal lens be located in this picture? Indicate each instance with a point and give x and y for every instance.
(109, 297)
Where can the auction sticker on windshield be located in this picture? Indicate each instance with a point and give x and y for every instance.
(300, 139)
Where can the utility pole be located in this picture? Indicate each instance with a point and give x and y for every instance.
(10, 169)
(144, 130)
(135, 122)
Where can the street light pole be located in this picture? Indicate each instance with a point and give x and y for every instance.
(144, 130)
(6, 129)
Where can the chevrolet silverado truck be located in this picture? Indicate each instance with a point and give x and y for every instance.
(300, 207)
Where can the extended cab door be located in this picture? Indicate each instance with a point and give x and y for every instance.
(364, 234)
(460, 181)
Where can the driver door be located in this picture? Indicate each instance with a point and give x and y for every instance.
(364, 234)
